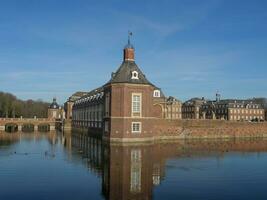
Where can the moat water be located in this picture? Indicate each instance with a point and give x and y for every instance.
(56, 166)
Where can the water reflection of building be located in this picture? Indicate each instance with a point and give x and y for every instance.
(8, 139)
(129, 175)
(132, 172)
(127, 172)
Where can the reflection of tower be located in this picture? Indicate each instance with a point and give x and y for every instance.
(136, 168)
(129, 173)
(156, 174)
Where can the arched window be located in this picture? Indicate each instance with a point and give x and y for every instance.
(135, 75)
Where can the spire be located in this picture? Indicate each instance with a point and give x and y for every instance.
(218, 96)
(129, 72)
(128, 51)
(129, 36)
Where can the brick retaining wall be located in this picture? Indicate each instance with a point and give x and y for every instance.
(163, 129)
(208, 129)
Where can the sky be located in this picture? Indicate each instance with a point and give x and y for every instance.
(188, 48)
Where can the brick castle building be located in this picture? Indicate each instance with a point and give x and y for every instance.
(226, 109)
(126, 105)
(191, 108)
(129, 108)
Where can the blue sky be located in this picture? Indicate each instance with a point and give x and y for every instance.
(188, 48)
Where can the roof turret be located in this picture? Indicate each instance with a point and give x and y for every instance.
(54, 104)
(129, 72)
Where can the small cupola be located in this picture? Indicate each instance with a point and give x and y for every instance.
(54, 104)
(128, 51)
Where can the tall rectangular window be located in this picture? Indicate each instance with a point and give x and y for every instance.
(136, 104)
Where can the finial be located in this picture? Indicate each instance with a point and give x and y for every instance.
(218, 96)
(128, 51)
(129, 35)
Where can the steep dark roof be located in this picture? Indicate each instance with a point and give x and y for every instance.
(76, 96)
(124, 74)
(79, 94)
(171, 98)
(94, 91)
(194, 101)
(232, 102)
(262, 101)
(92, 97)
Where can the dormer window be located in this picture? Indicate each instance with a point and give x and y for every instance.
(134, 75)
(156, 93)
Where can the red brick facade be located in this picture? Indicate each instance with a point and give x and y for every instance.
(121, 118)
(130, 108)
(125, 107)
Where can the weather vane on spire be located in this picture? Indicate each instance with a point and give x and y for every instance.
(218, 96)
(129, 45)
(129, 36)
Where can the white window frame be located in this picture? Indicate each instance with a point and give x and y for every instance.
(156, 93)
(140, 107)
(134, 75)
(140, 127)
